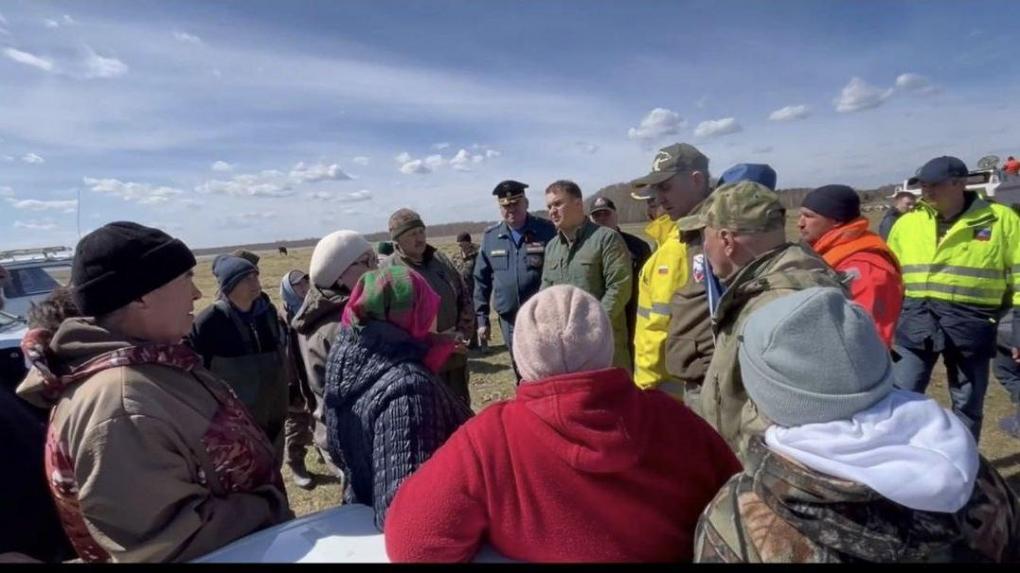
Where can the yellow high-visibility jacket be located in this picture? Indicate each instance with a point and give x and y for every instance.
(975, 263)
(662, 274)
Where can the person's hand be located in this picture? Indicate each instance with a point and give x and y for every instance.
(1016, 355)
(483, 333)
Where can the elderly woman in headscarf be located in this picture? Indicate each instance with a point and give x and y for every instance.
(298, 427)
(386, 411)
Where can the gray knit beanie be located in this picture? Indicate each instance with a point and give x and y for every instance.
(561, 330)
(813, 356)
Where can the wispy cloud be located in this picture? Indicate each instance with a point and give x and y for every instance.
(266, 184)
(247, 219)
(915, 83)
(28, 59)
(415, 167)
(40, 205)
(222, 166)
(97, 66)
(36, 225)
(332, 196)
(659, 122)
(6, 191)
(187, 38)
(33, 159)
(790, 113)
(859, 95)
(361, 160)
(302, 173)
(141, 193)
(440, 146)
(717, 127)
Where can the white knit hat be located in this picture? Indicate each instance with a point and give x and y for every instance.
(561, 330)
(333, 254)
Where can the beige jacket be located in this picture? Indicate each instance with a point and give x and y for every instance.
(148, 461)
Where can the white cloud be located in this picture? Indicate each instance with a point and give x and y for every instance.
(353, 197)
(361, 195)
(222, 166)
(858, 95)
(38, 205)
(302, 173)
(361, 160)
(33, 159)
(461, 160)
(51, 23)
(658, 123)
(36, 225)
(187, 38)
(915, 83)
(477, 158)
(141, 193)
(28, 59)
(68, 19)
(97, 66)
(492, 154)
(6, 191)
(404, 157)
(790, 113)
(416, 166)
(268, 183)
(440, 146)
(717, 127)
(435, 161)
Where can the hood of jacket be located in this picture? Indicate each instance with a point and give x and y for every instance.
(77, 341)
(319, 305)
(592, 420)
(790, 266)
(661, 229)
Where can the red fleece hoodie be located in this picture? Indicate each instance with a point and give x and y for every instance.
(580, 467)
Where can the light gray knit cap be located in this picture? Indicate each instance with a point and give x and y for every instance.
(813, 356)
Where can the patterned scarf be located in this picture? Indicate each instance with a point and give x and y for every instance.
(402, 297)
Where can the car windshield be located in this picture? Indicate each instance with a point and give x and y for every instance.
(8, 321)
(36, 280)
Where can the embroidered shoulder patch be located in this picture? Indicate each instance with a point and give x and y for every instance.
(698, 268)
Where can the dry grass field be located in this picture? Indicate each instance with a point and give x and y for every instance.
(492, 380)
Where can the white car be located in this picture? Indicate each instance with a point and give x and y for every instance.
(988, 181)
(344, 534)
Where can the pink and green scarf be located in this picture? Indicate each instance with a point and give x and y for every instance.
(402, 297)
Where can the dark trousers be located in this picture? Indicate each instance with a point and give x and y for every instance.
(506, 326)
(967, 374)
(1008, 372)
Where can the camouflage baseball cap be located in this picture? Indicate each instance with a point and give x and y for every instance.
(671, 160)
(744, 206)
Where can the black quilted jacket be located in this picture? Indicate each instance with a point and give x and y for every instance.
(385, 412)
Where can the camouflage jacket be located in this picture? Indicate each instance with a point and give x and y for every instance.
(772, 275)
(778, 511)
(465, 264)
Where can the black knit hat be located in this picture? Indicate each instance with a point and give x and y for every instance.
(120, 262)
(838, 202)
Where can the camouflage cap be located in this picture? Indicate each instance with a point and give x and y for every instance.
(744, 206)
(671, 160)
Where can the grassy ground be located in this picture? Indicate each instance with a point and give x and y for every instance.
(492, 380)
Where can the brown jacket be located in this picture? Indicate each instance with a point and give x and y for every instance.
(317, 322)
(689, 344)
(150, 457)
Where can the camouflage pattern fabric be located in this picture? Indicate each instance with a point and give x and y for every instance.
(744, 206)
(778, 511)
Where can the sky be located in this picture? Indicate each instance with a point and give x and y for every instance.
(227, 122)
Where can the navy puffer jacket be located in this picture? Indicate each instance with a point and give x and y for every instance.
(385, 412)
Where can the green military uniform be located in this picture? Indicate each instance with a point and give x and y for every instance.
(596, 260)
(748, 207)
(777, 511)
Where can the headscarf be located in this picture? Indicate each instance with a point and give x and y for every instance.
(401, 297)
(291, 301)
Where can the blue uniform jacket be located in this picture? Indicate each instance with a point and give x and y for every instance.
(507, 273)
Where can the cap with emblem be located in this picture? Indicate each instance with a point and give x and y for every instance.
(938, 170)
(509, 192)
(669, 161)
(602, 204)
(745, 206)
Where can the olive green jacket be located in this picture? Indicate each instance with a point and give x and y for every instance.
(598, 262)
(777, 273)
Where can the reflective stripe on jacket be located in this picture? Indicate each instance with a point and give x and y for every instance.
(974, 264)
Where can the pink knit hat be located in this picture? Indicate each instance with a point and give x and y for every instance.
(561, 330)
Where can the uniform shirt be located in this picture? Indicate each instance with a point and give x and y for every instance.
(509, 271)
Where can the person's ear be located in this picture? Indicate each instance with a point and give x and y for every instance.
(698, 179)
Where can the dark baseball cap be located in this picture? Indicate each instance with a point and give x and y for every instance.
(602, 204)
(938, 170)
(671, 160)
(509, 192)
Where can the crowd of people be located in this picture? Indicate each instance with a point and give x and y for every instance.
(728, 396)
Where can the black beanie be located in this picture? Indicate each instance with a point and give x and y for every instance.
(838, 202)
(120, 262)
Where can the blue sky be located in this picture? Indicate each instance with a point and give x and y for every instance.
(240, 121)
